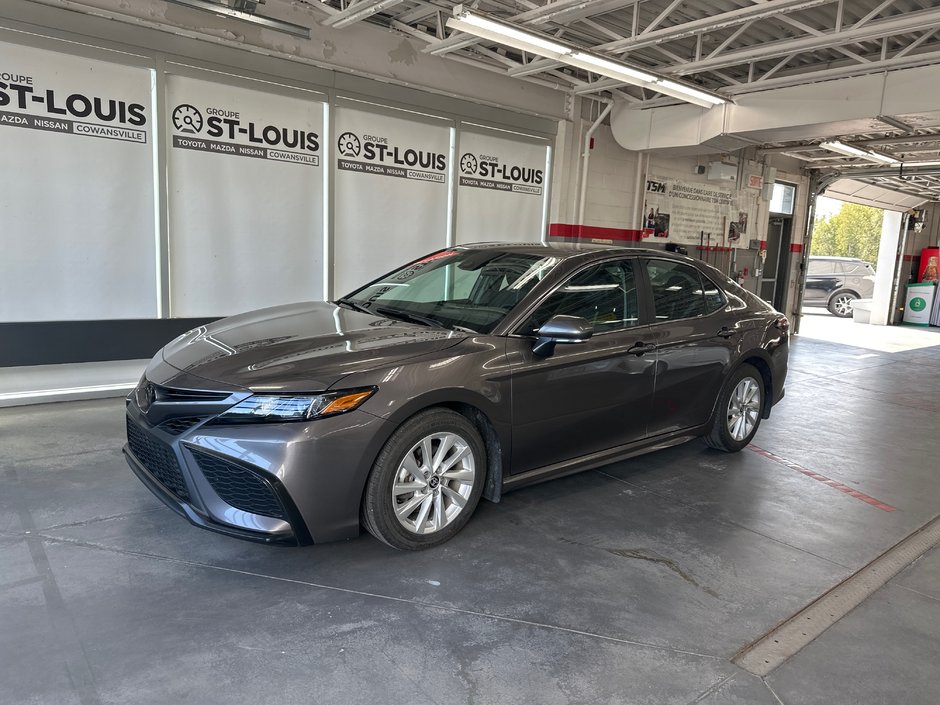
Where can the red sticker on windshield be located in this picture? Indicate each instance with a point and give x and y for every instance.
(437, 255)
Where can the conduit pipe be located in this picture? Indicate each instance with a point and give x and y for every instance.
(586, 160)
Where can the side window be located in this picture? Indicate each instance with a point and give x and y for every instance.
(819, 266)
(604, 295)
(677, 290)
(714, 297)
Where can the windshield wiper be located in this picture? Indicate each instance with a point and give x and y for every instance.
(401, 314)
(355, 305)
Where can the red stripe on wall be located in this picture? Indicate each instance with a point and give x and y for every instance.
(796, 247)
(593, 232)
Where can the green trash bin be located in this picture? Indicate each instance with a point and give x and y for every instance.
(919, 302)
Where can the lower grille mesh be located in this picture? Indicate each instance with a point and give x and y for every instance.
(238, 486)
(159, 460)
(180, 424)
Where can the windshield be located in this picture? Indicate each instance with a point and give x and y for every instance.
(460, 289)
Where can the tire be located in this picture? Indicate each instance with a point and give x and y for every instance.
(841, 304)
(434, 500)
(731, 430)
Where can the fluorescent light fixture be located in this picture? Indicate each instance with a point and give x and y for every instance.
(595, 63)
(883, 158)
(359, 11)
(850, 151)
(510, 35)
(494, 31)
(841, 148)
(687, 92)
(217, 8)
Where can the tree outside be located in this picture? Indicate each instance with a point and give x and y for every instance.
(855, 231)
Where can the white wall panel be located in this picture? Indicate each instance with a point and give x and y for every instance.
(76, 189)
(501, 189)
(392, 179)
(245, 193)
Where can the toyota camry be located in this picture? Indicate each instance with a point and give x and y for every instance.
(465, 374)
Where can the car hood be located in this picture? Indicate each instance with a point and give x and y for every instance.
(300, 347)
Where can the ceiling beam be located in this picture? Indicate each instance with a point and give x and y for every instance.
(713, 23)
(898, 24)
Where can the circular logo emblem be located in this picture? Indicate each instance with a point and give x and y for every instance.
(186, 118)
(918, 304)
(349, 145)
(146, 396)
(434, 482)
(468, 164)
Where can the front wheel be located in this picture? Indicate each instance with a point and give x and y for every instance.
(841, 304)
(739, 410)
(426, 482)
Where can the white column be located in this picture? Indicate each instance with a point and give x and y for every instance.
(887, 267)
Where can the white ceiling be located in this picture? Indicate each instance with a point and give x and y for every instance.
(737, 48)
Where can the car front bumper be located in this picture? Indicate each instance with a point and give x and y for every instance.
(282, 483)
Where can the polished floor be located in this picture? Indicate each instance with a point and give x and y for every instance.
(635, 584)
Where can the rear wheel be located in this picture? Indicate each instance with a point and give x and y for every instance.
(739, 410)
(841, 304)
(426, 482)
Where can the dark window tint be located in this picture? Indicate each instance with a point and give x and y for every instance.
(604, 295)
(714, 297)
(819, 266)
(677, 290)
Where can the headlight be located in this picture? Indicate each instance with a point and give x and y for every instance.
(297, 407)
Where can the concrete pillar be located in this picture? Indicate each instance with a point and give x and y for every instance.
(887, 268)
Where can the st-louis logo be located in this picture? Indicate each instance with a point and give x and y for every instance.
(188, 119)
(468, 164)
(349, 145)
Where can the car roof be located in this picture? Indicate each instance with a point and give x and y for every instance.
(567, 250)
(841, 259)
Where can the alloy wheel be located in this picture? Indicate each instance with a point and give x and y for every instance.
(743, 408)
(842, 305)
(433, 483)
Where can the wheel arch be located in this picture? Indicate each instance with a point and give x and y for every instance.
(844, 290)
(758, 361)
(482, 412)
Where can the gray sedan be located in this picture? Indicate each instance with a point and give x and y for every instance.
(465, 374)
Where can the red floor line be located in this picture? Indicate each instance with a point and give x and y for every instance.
(823, 479)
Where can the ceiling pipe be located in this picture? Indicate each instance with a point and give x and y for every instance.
(586, 160)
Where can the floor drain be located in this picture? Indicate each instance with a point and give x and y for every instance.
(766, 653)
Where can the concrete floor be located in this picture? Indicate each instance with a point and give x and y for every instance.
(634, 584)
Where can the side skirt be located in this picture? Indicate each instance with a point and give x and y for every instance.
(601, 458)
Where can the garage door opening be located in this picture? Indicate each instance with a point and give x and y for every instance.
(854, 267)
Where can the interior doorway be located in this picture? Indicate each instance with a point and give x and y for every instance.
(773, 286)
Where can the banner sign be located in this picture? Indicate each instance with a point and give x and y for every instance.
(245, 197)
(693, 213)
(390, 193)
(501, 188)
(80, 210)
(36, 102)
(196, 128)
(373, 154)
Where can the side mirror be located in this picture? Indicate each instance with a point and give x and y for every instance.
(561, 329)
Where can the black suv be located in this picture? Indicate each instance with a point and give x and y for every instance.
(835, 282)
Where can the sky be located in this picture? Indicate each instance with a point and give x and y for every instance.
(826, 206)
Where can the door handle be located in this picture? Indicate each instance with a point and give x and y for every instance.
(725, 332)
(641, 348)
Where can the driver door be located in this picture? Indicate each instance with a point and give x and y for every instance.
(584, 397)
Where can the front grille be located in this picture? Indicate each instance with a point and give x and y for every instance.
(171, 394)
(238, 486)
(158, 458)
(180, 424)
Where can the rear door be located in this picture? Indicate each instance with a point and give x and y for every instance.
(696, 336)
(823, 276)
(590, 396)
